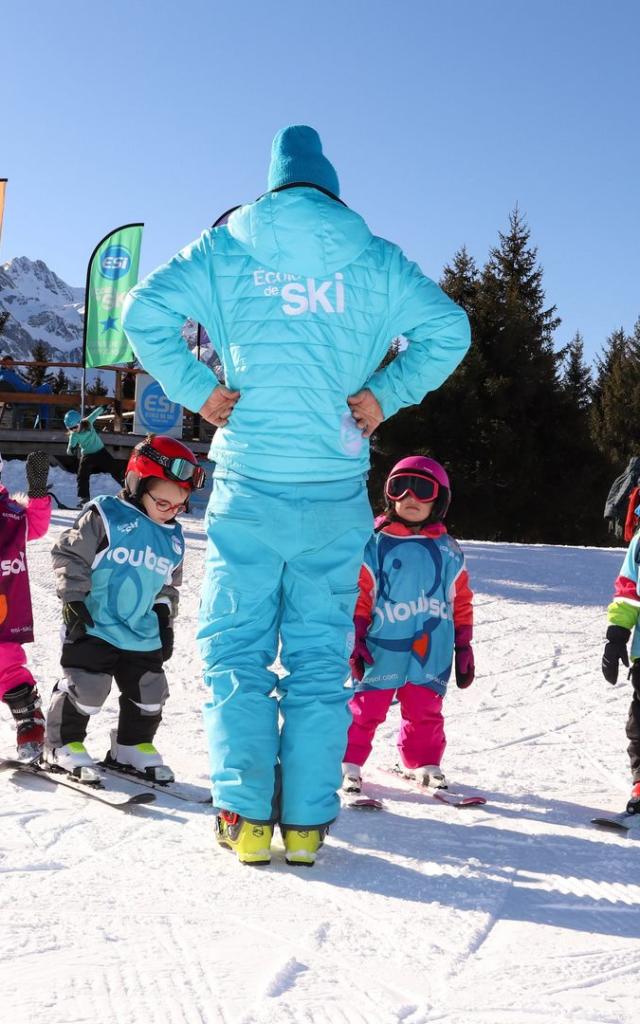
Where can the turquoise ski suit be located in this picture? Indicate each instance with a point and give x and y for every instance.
(301, 302)
(88, 440)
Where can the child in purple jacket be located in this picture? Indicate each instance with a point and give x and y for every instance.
(22, 518)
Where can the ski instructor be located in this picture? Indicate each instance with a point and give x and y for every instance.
(302, 302)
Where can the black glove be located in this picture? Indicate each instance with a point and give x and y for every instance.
(615, 651)
(37, 474)
(166, 630)
(76, 617)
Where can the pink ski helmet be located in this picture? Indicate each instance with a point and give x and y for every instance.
(421, 468)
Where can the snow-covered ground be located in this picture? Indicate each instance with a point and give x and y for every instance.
(516, 913)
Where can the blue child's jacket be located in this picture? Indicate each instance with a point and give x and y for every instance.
(414, 593)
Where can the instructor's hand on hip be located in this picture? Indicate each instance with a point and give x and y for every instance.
(366, 411)
(219, 406)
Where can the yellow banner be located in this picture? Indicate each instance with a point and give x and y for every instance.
(3, 185)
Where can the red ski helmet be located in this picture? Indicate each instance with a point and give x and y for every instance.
(164, 457)
(420, 468)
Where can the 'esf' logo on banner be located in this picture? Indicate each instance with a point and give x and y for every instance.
(156, 411)
(115, 262)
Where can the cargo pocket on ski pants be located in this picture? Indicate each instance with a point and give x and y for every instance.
(240, 715)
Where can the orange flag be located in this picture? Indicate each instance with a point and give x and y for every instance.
(3, 185)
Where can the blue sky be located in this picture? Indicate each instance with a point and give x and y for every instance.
(439, 116)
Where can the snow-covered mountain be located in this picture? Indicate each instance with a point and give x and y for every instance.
(42, 308)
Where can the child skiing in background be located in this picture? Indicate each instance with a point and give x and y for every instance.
(413, 615)
(623, 614)
(94, 457)
(118, 570)
(22, 519)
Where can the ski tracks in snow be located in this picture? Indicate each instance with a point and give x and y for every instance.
(511, 914)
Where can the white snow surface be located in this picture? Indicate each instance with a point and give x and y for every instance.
(517, 913)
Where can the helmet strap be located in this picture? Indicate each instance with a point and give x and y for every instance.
(394, 517)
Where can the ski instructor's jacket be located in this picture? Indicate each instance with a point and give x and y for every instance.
(301, 302)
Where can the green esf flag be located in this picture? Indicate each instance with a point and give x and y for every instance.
(112, 272)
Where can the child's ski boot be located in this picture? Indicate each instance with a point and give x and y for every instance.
(430, 775)
(249, 840)
(302, 845)
(633, 807)
(351, 778)
(72, 758)
(138, 758)
(24, 703)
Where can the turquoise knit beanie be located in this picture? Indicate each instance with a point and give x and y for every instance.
(296, 155)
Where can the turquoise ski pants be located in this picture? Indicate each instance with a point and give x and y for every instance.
(282, 567)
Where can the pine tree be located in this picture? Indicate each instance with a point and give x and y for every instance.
(460, 280)
(61, 383)
(547, 474)
(615, 421)
(39, 375)
(577, 379)
(615, 348)
(97, 388)
(439, 425)
(511, 424)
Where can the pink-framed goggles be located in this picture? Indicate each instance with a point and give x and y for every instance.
(422, 488)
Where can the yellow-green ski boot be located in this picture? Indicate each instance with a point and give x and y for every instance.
(251, 842)
(301, 845)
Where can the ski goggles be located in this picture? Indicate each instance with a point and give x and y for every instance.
(422, 488)
(177, 469)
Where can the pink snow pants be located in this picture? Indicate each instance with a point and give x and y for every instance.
(13, 660)
(13, 668)
(421, 740)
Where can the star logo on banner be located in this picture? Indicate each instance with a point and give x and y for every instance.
(109, 324)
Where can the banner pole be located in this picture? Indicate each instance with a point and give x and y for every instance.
(84, 330)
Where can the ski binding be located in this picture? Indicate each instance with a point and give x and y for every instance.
(440, 793)
(162, 780)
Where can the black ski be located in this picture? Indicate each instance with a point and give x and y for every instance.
(95, 790)
(624, 822)
(60, 504)
(189, 793)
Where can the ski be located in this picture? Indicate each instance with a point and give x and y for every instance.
(624, 822)
(457, 799)
(60, 504)
(443, 796)
(361, 803)
(94, 790)
(189, 793)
